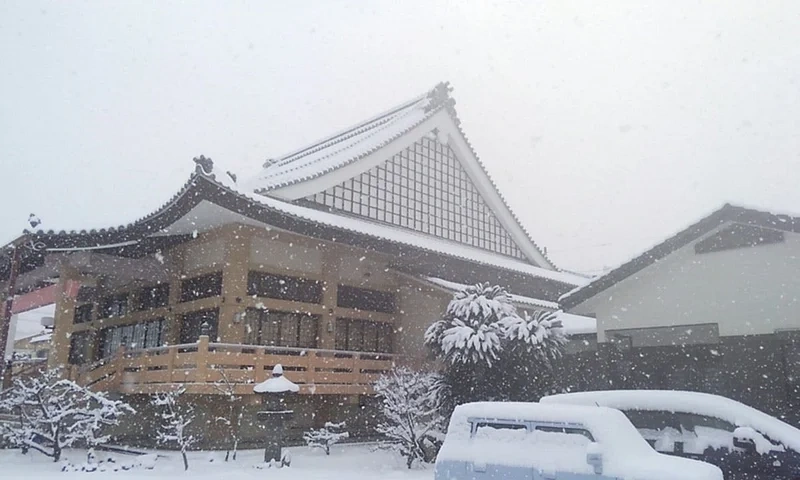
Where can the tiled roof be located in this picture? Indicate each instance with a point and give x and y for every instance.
(345, 147)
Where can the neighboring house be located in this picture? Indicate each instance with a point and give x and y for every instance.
(330, 262)
(33, 348)
(714, 308)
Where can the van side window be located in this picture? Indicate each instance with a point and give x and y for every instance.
(566, 430)
(500, 426)
(690, 420)
(499, 430)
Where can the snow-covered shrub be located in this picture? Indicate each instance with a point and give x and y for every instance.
(174, 422)
(330, 434)
(53, 414)
(412, 422)
(489, 351)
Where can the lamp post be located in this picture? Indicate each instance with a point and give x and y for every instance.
(275, 390)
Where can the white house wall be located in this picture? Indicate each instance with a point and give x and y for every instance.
(745, 291)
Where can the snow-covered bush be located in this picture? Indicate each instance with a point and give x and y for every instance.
(174, 422)
(412, 422)
(325, 437)
(489, 351)
(53, 414)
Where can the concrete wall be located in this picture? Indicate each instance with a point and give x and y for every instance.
(746, 291)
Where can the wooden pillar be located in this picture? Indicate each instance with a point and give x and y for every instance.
(234, 285)
(63, 320)
(172, 333)
(330, 274)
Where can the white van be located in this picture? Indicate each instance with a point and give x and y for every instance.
(742, 441)
(531, 441)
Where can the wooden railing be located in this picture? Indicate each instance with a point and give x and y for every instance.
(203, 367)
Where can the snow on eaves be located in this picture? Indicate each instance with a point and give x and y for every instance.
(414, 239)
(517, 299)
(343, 148)
(572, 324)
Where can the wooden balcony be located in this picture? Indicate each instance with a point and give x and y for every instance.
(200, 368)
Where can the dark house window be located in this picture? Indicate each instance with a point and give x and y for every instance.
(192, 325)
(284, 287)
(153, 297)
(79, 348)
(284, 329)
(140, 335)
(365, 299)
(363, 335)
(83, 313)
(203, 286)
(114, 306)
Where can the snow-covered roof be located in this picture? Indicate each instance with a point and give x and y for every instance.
(577, 324)
(705, 404)
(518, 299)
(400, 235)
(343, 147)
(419, 240)
(572, 324)
(625, 453)
(45, 337)
(728, 213)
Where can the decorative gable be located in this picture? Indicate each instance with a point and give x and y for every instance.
(426, 189)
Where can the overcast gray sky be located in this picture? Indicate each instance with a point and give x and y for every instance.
(607, 125)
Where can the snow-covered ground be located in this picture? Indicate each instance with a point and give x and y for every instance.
(346, 462)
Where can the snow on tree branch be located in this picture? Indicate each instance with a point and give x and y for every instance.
(174, 422)
(412, 422)
(53, 414)
(324, 438)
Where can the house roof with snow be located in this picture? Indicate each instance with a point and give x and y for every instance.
(405, 183)
(751, 227)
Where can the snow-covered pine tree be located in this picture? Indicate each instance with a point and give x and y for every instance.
(471, 331)
(489, 351)
(54, 414)
(540, 334)
(532, 344)
(325, 437)
(174, 422)
(233, 420)
(412, 422)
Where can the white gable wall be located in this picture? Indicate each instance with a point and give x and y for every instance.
(745, 291)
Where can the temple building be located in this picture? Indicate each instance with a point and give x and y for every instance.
(332, 262)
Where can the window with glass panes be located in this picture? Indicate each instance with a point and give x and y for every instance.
(114, 306)
(139, 335)
(282, 329)
(426, 189)
(363, 335)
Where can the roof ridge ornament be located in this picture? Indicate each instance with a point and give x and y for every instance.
(204, 165)
(440, 97)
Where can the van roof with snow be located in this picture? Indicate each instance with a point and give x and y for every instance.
(697, 403)
(511, 438)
